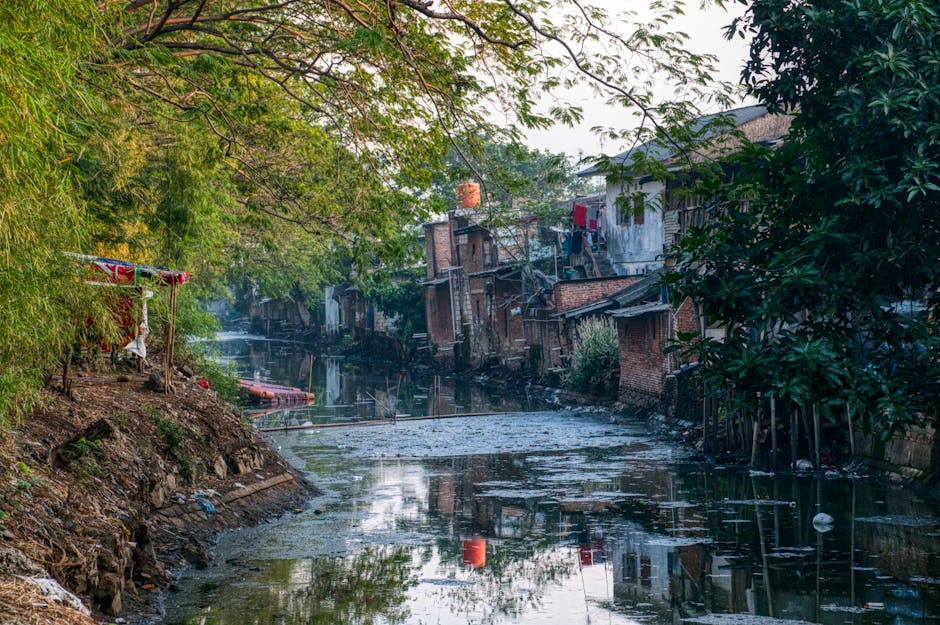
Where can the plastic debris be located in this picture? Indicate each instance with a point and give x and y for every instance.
(207, 506)
(822, 522)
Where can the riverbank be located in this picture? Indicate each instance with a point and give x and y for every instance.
(112, 490)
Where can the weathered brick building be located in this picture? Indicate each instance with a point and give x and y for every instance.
(474, 294)
(645, 327)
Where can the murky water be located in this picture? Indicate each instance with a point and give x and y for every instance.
(563, 517)
(348, 391)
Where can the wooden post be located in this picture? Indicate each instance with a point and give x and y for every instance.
(705, 418)
(816, 435)
(773, 433)
(170, 340)
(794, 437)
(848, 417)
(755, 429)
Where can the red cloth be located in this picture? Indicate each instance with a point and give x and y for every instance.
(121, 272)
(592, 218)
(580, 215)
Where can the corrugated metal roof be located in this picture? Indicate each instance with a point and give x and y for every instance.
(637, 311)
(639, 290)
(435, 282)
(661, 150)
(468, 229)
(585, 309)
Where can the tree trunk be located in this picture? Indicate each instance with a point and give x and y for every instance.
(794, 437)
(773, 433)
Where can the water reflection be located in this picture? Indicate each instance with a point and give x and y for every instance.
(577, 521)
(371, 586)
(348, 391)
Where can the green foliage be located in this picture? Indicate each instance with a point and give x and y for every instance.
(596, 359)
(44, 113)
(173, 436)
(819, 251)
(402, 295)
(84, 456)
(262, 145)
(222, 377)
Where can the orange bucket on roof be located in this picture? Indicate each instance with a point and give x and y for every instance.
(468, 194)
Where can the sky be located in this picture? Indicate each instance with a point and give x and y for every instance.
(704, 27)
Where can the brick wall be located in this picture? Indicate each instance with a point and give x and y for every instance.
(642, 362)
(437, 307)
(686, 320)
(437, 247)
(471, 256)
(573, 293)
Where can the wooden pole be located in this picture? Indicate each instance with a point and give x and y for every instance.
(773, 433)
(755, 429)
(848, 417)
(170, 340)
(705, 418)
(816, 435)
(794, 437)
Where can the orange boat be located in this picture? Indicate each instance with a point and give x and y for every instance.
(274, 394)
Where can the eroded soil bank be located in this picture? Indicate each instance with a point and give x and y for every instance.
(110, 491)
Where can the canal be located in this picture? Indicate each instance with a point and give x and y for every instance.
(547, 516)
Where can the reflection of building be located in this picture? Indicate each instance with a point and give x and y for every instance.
(641, 566)
(334, 383)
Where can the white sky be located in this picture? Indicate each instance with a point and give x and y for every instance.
(704, 27)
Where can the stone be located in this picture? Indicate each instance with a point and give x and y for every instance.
(108, 594)
(15, 562)
(220, 468)
(157, 496)
(155, 382)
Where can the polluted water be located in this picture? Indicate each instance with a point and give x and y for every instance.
(553, 517)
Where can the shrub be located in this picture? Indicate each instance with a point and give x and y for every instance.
(596, 357)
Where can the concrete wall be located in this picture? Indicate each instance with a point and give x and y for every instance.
(911, 454)
(634, 248)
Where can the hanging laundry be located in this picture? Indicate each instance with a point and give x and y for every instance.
(580, 215)
(592, 218)
(577, 241)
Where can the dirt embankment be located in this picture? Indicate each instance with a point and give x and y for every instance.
(110, 491)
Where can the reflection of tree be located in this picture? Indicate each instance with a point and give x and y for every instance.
(364, 589)
(513, 582)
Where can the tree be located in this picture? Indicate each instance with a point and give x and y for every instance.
(819, 251)
(240, 138)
